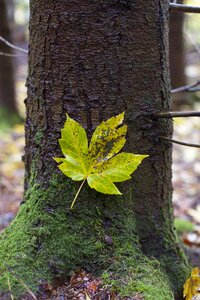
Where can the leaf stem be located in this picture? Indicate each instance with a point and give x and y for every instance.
(73, 202)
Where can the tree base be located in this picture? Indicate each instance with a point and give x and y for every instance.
(47, 241)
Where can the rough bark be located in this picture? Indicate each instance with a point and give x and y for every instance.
(177, 56)
(93, 60)
(7, 84)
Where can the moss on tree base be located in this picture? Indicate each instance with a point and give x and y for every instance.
(47, 240)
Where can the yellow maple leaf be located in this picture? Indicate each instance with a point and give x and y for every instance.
(191, 288)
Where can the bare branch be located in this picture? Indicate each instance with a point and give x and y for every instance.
(184, 8)
(12, 46)
(177, 114)
(195, 87)
(178, 142)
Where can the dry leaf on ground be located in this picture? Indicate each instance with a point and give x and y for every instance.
(192, 285)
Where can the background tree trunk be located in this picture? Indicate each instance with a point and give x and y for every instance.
(93, 60)
(7, 84)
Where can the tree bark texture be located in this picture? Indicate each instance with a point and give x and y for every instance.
(94, 60)
(177, 56)
(7, 84)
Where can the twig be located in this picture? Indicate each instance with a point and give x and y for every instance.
(10, 55)
(6, 184)
(187, 88)
(184, 8)
(9, 287)
(12, 46)
(180, 143)
(190, 90)
(26, 288)
(177, 114)
(20, 281)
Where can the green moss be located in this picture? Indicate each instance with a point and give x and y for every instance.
(48, 240)
(38, 137)
(134, 273)
(183, 225)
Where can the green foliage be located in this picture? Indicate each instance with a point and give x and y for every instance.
(99, 163)
(8, 120)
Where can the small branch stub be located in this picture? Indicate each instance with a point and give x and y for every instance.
(177, 114)
(12, 46)
(179, 142)
(10, 55)
(195, 87)
(184, 8)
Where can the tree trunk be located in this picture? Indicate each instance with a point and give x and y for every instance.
(93, 60)
(7, 84)
(177, 56)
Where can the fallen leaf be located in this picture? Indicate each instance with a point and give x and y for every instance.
(195, 213)
(87, 297)
(191, 288)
